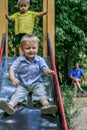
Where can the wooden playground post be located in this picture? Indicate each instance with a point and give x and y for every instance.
(48, 25)
(3, 22)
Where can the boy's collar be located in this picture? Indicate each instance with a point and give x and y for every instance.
(24, 58)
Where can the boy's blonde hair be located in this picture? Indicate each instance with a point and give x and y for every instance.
(29, 38)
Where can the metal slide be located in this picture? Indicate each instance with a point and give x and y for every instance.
(29, 117)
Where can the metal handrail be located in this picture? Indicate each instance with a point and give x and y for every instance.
(2, 49)
(62, 113)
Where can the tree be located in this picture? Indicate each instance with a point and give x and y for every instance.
(71, 35)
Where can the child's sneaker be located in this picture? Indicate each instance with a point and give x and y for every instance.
(6, 107)
(49, 109)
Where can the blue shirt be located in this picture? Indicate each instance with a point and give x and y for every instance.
(29, 72)
(76, 73)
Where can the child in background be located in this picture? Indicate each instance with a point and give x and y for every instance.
(29, 68)
(24, 21)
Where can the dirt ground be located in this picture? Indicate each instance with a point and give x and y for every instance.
(80, 122)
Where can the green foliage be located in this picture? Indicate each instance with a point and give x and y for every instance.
(69, 105)
(71, 34)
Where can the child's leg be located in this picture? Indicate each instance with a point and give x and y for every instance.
(44, 102)
(47, 107)
(6, 107)
(17, 41)
(17, 97)
(20, 50)
(40, 94)
(13, 103)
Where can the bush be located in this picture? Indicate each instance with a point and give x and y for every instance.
(69, 105)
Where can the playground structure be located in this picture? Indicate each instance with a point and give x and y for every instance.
(3, 22)
(48, 25)
(48, 38)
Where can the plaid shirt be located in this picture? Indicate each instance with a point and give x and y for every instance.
(29, 72)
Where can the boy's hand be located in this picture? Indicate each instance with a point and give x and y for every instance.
(42, 13)
(49, 72)
(7, 17)
(15, 81)
(45, 12)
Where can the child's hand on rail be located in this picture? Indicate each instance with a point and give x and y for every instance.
(49, 72)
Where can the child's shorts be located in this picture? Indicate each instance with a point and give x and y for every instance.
(18, 39)
(38, 92)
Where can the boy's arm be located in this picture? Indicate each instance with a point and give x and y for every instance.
(49, 72)
(14, 80)
(11, 74)
(8, 17)
(41, 13)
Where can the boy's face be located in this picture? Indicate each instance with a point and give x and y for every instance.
(24, 7)
(30, 49)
